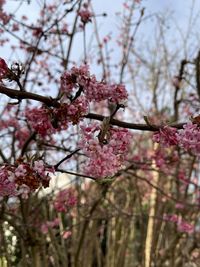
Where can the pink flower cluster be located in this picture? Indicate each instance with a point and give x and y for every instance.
(189, 138)
(85, 14)
(167, 136)
(3, 69)
(47, 121)
(39, 120)
(3, 16)
(72, 112)
(65, 199)
(49, 225)
(7, 185)
(182, 226)
(104, 159)
(80, 78)
(21, 132)
(23, 178)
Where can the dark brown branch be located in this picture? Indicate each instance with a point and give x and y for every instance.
(27, 142)
(53, 102)
(133, 126)
(177, 87)
(65, 158)
(15, 94)
(197, 62)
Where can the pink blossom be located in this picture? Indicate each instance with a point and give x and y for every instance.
(7, 185)
(66, 234)
(167, 136)
(21, 135)
(39, 120)
(39, 167)
(72, 112)
(15, 27)
(171, 218)
(179, 206)
(182, 225)
(71, 79)
(23, 178)
(65, 199)
(189, 138)
(48, 121)
(104, 159)
(20, 170)
(3, 69)
(85, 14)
(185, 227)
(37, 31)
(3, 16)
(24, 190)
(49, 225)
(80, 79)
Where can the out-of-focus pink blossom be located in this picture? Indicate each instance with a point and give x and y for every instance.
(66, 234)
(21, 135)
(185, 227)
(3, 69)
(65, 199)
(179, 206)
(15, 27)
(49, 225)
(3, 16)
(24, 190)
(85, 14)
(182, 225)
(7, 184)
